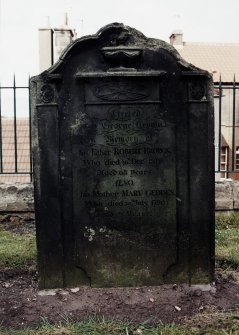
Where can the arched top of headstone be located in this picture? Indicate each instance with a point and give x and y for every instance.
(119, 48)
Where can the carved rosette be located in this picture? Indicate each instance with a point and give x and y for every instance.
(47, 93)
(197, 91)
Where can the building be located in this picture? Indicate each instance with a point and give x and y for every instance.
(15, 164)
(222, 60)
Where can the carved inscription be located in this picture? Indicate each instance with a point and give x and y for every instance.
(127, 160)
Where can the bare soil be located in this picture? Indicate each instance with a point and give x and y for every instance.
(22, 306)
(18, 223)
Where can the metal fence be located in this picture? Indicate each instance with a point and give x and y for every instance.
(15, 132)
(226, 116)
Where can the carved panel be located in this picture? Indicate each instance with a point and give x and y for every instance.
(121, 92)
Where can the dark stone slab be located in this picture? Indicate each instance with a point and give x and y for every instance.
(123, 164)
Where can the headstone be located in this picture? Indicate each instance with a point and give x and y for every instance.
(123, 165)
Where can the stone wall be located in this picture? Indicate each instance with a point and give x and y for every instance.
(19, 197)
(16, 197)
(227, 195)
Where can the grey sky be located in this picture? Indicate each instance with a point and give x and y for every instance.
(203, 21)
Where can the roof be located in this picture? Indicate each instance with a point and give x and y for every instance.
(216, 58)
(8, 150)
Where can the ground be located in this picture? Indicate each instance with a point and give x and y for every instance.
(21, 305)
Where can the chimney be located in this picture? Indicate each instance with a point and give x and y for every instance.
(176, 39)
(62, 36)
(53, 41)
(45, 46)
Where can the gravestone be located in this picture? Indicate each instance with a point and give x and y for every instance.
(123, 164)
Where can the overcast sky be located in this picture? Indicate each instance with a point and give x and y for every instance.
(204, 21)
(201, 21)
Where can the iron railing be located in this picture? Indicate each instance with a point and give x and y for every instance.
(226, 115)
(10, 163)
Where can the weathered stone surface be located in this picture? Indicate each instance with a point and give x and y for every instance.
(235, 186)
(16, 197)
(224, 204)
(224, 199)
(123, 157)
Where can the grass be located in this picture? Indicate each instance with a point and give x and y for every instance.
(102, 327)
(227, 241)
(17, 251)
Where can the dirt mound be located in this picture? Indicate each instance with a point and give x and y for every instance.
(21, 305)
